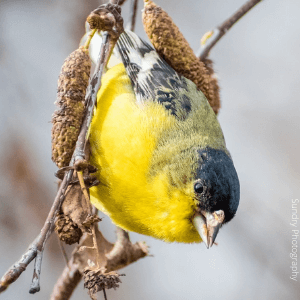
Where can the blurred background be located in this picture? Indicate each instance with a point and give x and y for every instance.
(258, 67)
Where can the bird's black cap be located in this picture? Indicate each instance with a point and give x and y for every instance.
(218, 182)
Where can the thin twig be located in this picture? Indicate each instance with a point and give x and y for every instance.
(47, 230)
(215, 35)
(19, 267)
(91, 96)
(63, 250)
(89, 206)
(35, 285)
(104, 293)
(133, 13)
(38, 244)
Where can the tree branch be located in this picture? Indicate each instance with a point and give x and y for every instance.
(18, 268)
(124, 252)
(120, 255)
(133, 12)
(38, 245)
(215, 35)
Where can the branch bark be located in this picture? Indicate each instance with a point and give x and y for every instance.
(222, 29)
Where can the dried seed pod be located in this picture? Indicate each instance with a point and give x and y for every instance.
(72, 83)
(74, 206)
(173, 47)
(90, 220)
(67, 230)
(74, 218)
(97, 280)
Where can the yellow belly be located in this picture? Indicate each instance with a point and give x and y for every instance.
(123, 137)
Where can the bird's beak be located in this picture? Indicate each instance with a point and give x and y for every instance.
(208, 225)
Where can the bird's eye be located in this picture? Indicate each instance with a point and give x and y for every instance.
(198, 187)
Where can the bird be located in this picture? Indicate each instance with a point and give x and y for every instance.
(163, 165)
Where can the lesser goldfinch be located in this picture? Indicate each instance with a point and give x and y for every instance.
(163, 165)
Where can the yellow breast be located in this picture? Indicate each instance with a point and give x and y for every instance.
(123, 138)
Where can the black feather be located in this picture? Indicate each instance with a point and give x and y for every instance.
(152, 78)
(221, 184)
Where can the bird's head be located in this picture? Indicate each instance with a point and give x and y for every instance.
(196, 192)
(217, 193)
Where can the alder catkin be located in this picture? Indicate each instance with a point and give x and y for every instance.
(72, 83)
(67, 230)
(173, 47)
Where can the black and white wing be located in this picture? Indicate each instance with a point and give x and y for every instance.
(152, 78)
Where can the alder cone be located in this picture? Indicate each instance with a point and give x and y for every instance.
(171, 45)
(72, 84)
(96, 280)
(67, 230)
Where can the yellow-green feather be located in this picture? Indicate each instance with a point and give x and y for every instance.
(147, 159)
